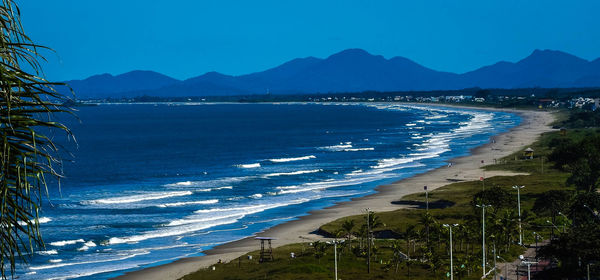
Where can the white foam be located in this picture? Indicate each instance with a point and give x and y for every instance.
(63, 264)
(174, 230)
(359, 149)
(215, 189)
(66, 242)
(249, 165)
(138, 198)
(90, 244)
(210, 183)
(199, 202)
(41, 220)
(185, 183)
(300, 172)
(317, 186)
(201, 220)
(47, 253)
(55, 260)
(292, 159)
(256, 195)
(336, 148)
(83, 248)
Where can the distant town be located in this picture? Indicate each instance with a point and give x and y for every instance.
(587, 99)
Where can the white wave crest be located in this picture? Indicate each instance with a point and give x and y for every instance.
(138, 198)
(359, 149)
(249, 165)
(336, 148)
(292, 159)
(63, 264)
(199, 202)
(66, 242)
(293, 173)
(47, 253)
(41, 220)
(317, 186)
(256, 195)
(215, 189)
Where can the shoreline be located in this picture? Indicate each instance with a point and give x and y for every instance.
(303, 228)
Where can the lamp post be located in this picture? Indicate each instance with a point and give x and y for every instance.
(483, 206)
(566, 220)
(518, 188)
(368, 241)
(592, 211)
(426, 198)
(505, 266)
(449, 226)
(528, 263)
(335, 258)
(548, 221)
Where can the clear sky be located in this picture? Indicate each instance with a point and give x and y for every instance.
(187, 38)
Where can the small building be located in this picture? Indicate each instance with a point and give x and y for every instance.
(528, 153)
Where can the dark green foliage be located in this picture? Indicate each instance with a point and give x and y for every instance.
(582, 160)
(552, 202)
(499, 198)
(582, 119)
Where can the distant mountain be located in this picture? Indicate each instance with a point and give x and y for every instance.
(107, 85)
(352, 70)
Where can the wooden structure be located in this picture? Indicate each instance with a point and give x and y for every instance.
(266, 252)
(563, 131)
(528, 153)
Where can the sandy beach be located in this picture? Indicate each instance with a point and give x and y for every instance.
(302, 229)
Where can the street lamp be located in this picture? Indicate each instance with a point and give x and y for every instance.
(592, 211)
(548, 221)
(451, 265)
(528, 263)
(566, 220)
(505, 266)
(518, 188)
(368, 241)
(426, 198)
(483, 206)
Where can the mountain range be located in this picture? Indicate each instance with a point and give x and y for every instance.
(352, 70)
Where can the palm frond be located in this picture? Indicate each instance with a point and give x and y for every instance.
(27, 102)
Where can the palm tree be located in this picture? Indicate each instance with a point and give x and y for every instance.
(27, 102)
(427, 220)
(319, 248)
(398, 256)
(347, 229)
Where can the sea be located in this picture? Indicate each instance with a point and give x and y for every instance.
(146, 184)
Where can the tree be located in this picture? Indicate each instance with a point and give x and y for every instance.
(347, 229)
(398, 256)
(27, 102)
(319, 248)
(496, 196)
(551, 202)
(582, 160)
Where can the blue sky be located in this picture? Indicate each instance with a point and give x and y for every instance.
(187, 38)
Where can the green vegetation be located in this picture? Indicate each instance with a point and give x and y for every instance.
(26, 102)
(559, 203)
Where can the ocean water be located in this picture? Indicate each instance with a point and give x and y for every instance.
(150, 183)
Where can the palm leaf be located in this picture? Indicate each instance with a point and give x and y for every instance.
(27, 102)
